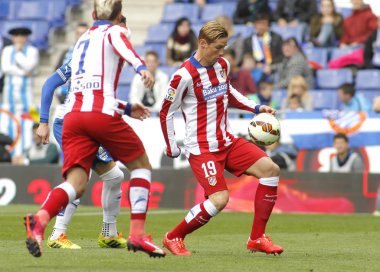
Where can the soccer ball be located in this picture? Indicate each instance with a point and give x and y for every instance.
(264, 129)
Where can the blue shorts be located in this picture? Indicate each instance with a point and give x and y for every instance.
(102, 156)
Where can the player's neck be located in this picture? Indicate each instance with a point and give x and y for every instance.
(199, 57)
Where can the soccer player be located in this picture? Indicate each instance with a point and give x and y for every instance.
(94, 117)
(103, 165)
(201, 88)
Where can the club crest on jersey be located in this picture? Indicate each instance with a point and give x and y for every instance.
(212, 181)
(223, 73)
(170, 94)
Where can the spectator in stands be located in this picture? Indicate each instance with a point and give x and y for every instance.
(359, 26)
(298, 90)
(66, 56)
(326, 28)
(150, 97)
(3, 42)
(249, 63)
(295, 12)
(350, 100)
(372, 49)
(293, 103)
(4, 154)
(376, 104)
(182, 42)
(264, 45)
(240, 79)
(38, 153)
(284, 155)
(247, 10)
(264, 95)
(235, 40)
(18, 64)
(294, 64)
(345, 160)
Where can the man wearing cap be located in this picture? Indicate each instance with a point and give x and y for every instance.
(18, 62)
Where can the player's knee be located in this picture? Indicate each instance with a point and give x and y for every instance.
(268, 168)
(113, 177)
(219, 199)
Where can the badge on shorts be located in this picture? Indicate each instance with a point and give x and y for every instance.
(212, 181)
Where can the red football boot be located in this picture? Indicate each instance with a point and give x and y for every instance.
(34, 235)
(264, 244)
(176, 246)
(146, 245)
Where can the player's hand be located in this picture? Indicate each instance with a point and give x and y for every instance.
(44, 132)
(139, 111)
(267, 109)
(147, 79)
(175, 154)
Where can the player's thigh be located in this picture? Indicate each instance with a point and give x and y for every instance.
(209, 171)
(120, 140)
(242, 155)
(263, 168)
(140, 162)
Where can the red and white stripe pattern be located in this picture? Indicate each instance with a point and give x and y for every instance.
(97, 61)
(203, 95)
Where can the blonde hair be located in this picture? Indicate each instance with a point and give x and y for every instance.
(212, 31)
(107, 9)
(297, 81)
(226, 22)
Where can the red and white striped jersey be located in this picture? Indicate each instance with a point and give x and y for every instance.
(97, 60)
(203, 94)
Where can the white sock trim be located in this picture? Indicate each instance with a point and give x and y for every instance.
(69, 189)
(271, 181)
(210, 208)
(142, 173)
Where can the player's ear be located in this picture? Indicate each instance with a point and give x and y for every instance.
(94, 17)
(203, 43)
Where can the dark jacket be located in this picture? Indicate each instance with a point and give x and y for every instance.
(246, 11)
(316, 25)
(359, 26)
(275, 47)
(369, 50)
(301, 10)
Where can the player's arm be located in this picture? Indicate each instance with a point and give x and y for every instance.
(58, 78)
(176, 91)
(124, 49)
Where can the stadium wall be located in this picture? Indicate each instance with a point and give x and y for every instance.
(304, 192)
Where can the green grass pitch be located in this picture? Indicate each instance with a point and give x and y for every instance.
(311, 242)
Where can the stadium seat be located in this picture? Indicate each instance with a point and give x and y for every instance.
(122, 92)
(289, 31)
(159, 33)
(244, 30)
(318, 55)
(338, 52)
(211, 11)
(175, 11)
(159, 48)
(369, 94)
(273, 5)
(345, 12)
(324, 99)
(279, 95)
(6, 9)
(368, 79)
(126, 75)
(40, 30)
(332, 79)
(169, 70)
(196, 28)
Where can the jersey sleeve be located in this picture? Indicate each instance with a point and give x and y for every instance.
(237, 100)
(177, 89)
(58, 78)
(124, 48)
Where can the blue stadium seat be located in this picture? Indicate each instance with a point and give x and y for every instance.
(345, 12)
(211, 11)
(244, 30)
(159, 33)
(332, 79)
(122, 92)
(159, 48)
(175, 11)
(324, 99)
(40, 30)
(273, 4)
(196, 28)
(74, 2)
(169, 70)
(338, 52)
(126, 75)
(368, 79)
(289, 31)
(7, 9)
(369, 94)
(279, 95)
(318, 55)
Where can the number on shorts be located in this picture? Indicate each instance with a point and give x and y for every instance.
(82, 56)
(209, 168)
